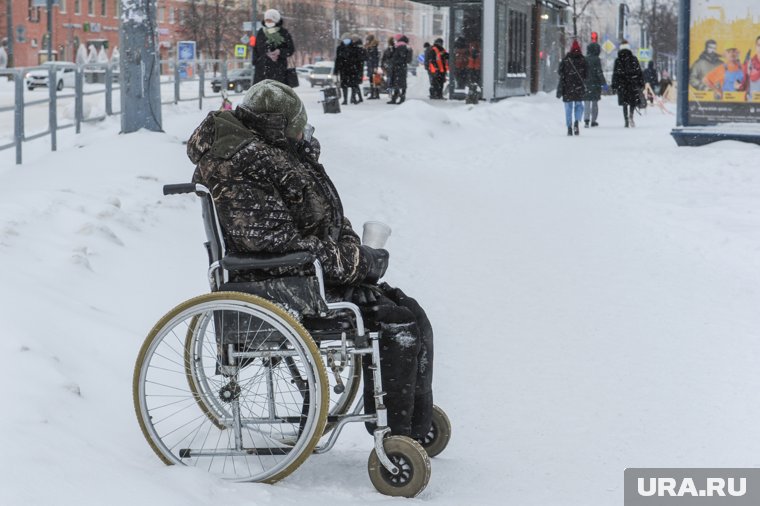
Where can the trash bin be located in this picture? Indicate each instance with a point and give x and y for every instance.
(330, 100)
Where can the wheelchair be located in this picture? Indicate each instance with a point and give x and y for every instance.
(239, 383)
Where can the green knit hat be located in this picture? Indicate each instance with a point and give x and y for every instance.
(269, 96)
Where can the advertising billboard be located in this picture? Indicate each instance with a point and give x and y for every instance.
(724, 62)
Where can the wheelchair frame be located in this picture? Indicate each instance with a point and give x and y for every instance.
(398, 465)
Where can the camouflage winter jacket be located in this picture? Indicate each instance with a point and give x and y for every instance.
(272, 194)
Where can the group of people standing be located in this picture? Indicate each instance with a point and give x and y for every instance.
(383, 71)
(581, 81)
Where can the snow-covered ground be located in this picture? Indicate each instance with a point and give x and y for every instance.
(595, 301)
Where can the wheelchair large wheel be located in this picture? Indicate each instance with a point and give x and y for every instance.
(412, 461)
(232, 384)
(437, 438)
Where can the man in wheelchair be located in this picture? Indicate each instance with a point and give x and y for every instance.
(272, 195)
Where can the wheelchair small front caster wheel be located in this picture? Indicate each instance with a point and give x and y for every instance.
(412, 461)
(437, 438)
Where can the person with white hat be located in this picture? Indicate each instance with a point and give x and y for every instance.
(273, 47)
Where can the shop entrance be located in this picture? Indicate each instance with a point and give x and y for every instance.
(465, 55)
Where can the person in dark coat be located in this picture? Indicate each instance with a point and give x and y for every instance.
(358, 59)
(572, 86)
(348, 68)
(273, 196)
(274, 46)
(387, 65)
(650, 79)
(341, 69)
(400, 60)
(627, 82)
(594, 82)
(373, 62)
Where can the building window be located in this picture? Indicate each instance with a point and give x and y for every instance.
(171, 15)
(161, 14)
(103, 8)
(116, 8)
(517, 62)
(62, 6)
(77, 6)
(34, 13)
(91, 7)
(438, 24)
(181, 17)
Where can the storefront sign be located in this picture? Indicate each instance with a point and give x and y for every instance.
(724, 62)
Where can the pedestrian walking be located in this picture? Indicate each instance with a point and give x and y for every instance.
(627, 82)
(274, 46)
(595, 81)
(572, 86)
(400, 59)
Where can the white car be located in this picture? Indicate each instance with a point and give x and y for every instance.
(305, 70)
(65, 76)
(322, 74)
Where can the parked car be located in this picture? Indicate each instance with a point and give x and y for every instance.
(304, 71)
(238, 80)
(322, 75)
(38, 78)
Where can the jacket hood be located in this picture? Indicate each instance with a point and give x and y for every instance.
(593, 49)
(222, 134)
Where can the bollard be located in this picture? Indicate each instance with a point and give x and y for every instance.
(79, 98)
(18, 115)
(52, 106)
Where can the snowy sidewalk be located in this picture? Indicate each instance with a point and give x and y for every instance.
(594, 300)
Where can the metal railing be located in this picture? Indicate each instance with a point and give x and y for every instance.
(93, 75)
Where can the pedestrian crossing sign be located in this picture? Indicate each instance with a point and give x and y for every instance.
(241, 50)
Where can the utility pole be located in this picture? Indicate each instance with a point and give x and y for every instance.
(49, 6)
(642, 43)
(653, 30)
(9, 12)
(140, 66)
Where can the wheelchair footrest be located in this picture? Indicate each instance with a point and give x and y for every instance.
(187, 453)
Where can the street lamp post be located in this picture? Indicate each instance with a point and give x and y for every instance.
(50, 30)
(9, 13)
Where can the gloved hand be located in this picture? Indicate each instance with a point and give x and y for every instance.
(378, 263)
(363, 295)
(273, 55)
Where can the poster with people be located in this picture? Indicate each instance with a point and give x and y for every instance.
(724, 61)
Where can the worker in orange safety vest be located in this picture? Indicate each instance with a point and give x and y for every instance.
(438, 65)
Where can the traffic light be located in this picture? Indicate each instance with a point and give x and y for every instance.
(252, 41)
(594, 37)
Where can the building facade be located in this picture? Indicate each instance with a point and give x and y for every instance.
(316, 25)
(74, 22)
